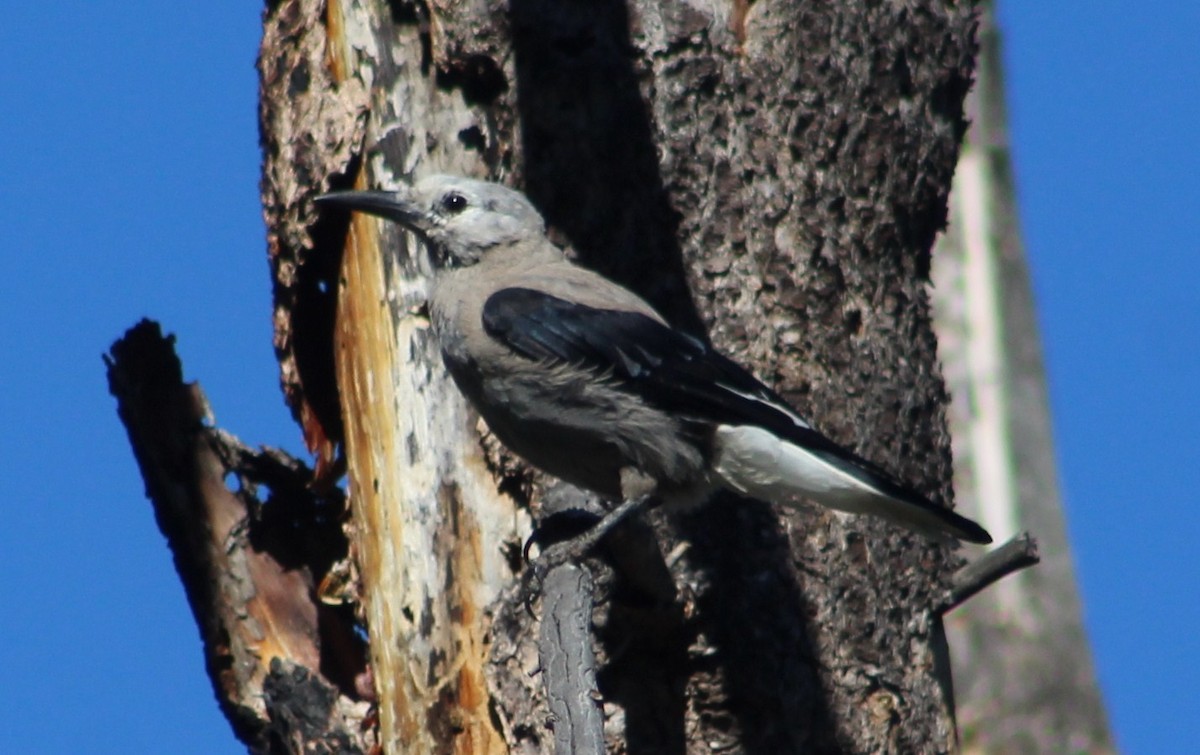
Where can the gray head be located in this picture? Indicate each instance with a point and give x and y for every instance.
(458, 218)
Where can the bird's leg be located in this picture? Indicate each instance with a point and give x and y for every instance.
(637, 489)
(578, 547)
(573, 549)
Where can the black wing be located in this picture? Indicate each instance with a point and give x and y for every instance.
(673, 371)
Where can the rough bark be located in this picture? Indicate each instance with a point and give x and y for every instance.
(785, 163)
(1022, 666)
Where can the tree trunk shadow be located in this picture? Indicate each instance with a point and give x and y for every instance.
(744, 668)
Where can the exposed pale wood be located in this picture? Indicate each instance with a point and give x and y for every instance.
(429, 522)
(430, 528)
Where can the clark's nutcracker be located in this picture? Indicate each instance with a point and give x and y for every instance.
(583, 379)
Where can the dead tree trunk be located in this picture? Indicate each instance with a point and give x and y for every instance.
(788, 164)
(1023, 669)
(769, 175)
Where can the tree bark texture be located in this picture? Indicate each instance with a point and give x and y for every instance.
(770, 176)
(1022, 665)
(247, 533)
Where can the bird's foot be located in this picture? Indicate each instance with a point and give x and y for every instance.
(562, 526)
(582, 535)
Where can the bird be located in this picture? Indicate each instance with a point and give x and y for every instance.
(584, 380)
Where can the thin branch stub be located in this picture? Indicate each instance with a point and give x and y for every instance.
(1018, 553)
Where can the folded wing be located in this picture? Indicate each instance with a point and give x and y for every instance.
(769, 450)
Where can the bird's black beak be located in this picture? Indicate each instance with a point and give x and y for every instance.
(391, 205)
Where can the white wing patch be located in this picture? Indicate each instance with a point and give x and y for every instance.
(754, 462)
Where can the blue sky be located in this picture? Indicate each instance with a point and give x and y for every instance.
(128, 188)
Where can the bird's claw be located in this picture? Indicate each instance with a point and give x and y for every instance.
(559, 527)
(573, 549)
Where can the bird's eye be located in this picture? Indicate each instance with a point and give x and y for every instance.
(454, 203)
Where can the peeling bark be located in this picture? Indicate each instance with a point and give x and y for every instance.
(247, 563)
(311, 121)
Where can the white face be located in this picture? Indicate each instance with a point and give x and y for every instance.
(464, 218)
